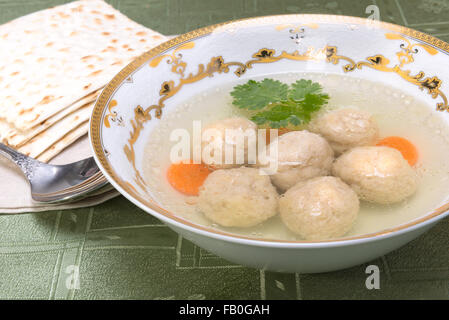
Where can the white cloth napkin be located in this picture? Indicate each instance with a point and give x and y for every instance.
(15, 195)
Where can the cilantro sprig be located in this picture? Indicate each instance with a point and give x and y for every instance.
(278, 104)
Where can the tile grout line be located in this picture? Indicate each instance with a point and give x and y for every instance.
(210, 267)
(71, 292)
(56, 273)
(298, 287)
(178, 251)
(56, 226)
(440, 34)
(387, 267)
(420, 269)
(401, 12)
(128, 227)
(437, 23)
(195, 249)
(93, 248)
(52, 247)
(58, 262)
(212, 257)
(263, 292)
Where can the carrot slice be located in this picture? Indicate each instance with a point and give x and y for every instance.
(187, 177)
(281, 131)
(407, 149)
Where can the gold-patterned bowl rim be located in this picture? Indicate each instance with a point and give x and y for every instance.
(171, 218)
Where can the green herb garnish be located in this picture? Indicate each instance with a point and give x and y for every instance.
(279, 104)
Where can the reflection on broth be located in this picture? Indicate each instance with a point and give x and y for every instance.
(396, 114)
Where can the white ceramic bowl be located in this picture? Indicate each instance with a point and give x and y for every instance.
(155, 83)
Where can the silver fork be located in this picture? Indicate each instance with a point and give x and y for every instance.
(57, 183)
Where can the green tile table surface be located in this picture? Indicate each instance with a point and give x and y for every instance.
(119, 252)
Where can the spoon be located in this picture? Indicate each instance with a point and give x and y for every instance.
(57, 183)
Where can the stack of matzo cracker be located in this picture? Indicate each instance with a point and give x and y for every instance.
(53, 64)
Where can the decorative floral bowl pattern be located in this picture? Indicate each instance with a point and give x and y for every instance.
(151, 86)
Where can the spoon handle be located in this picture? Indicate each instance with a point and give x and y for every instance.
(22, 161)
(9, 153)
